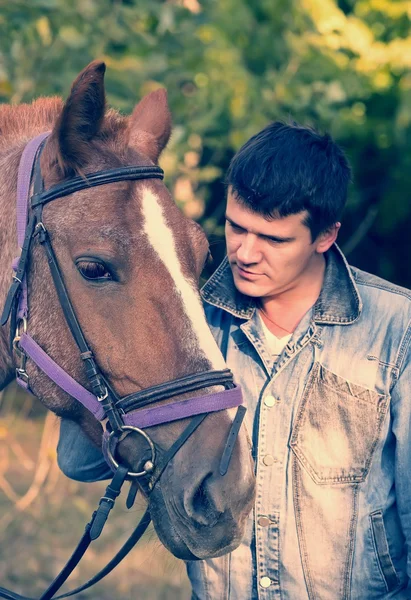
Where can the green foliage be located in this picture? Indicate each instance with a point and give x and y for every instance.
(232, 66)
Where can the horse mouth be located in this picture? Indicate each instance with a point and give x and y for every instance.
(191, 542)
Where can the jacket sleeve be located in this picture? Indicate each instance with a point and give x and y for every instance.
(78, 457)
(401, 427)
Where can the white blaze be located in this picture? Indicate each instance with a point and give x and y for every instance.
(162, 240)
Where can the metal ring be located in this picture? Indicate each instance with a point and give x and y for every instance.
(148, 469)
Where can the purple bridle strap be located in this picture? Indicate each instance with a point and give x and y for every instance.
(60, 377)
(182, 409)
(146, 417)
(142, 418)
(23, 189)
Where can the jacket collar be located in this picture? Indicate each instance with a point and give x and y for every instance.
(339, 302)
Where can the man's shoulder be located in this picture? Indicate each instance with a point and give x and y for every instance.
(377, 286)
(383, 298)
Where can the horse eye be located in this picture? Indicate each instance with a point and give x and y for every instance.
(209, 259)
(93, 271)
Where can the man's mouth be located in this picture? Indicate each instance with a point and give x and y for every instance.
(247, 274)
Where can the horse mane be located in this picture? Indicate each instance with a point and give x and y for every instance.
(24, 121)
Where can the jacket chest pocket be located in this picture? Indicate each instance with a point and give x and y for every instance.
(337, 428)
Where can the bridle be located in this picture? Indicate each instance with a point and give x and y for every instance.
(131, 414)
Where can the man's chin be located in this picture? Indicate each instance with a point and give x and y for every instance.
(248, 288)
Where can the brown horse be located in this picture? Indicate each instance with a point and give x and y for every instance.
(131, 262)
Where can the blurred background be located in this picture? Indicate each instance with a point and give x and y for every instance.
(230, 67)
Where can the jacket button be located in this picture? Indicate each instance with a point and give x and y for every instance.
(269, 460)
(269, 400)
(263, 521)
(265, 582)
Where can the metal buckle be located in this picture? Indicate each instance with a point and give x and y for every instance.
(149, 464)
(17, 335)
(39, 228)
(21, 372)
(104, 396)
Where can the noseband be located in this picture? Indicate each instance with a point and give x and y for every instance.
(131, 414)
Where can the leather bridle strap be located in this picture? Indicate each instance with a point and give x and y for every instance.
(75, 184)
(134, 538)
(144, 417)
(95, 526)
(145, 519)
(92, 531)
(96, 383)
(231, 440)
(195, 422)
(60, 377)
(19, 278)
(167, 413)
(39, 198)
(170, 389)
(103, 402)
(142, 525)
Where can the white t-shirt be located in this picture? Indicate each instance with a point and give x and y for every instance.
(275, 344)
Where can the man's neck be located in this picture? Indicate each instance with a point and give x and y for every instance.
(283, 312)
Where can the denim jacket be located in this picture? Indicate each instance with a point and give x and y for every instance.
(330, 423)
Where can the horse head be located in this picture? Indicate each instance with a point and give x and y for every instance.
(131, 263)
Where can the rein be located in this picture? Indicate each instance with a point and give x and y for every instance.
(127, 415)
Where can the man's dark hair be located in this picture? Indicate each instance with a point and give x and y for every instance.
(287, 168)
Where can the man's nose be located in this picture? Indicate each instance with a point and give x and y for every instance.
(248, 251)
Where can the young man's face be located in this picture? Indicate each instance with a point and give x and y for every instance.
(268, 258)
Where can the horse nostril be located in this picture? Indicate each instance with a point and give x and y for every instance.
(201, 502)
(199, 505)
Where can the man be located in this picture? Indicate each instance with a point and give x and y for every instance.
(321, 351)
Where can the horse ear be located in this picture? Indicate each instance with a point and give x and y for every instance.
(80, 119)
(150, 125)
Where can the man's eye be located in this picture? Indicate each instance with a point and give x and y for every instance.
(236, 228)
(93, 271)
(275, 242)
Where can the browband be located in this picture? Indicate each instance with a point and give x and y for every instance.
(75, 184)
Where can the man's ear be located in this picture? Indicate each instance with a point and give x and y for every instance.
(327, 238)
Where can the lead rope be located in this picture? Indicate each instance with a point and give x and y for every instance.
(94, 528)
(92, 531)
